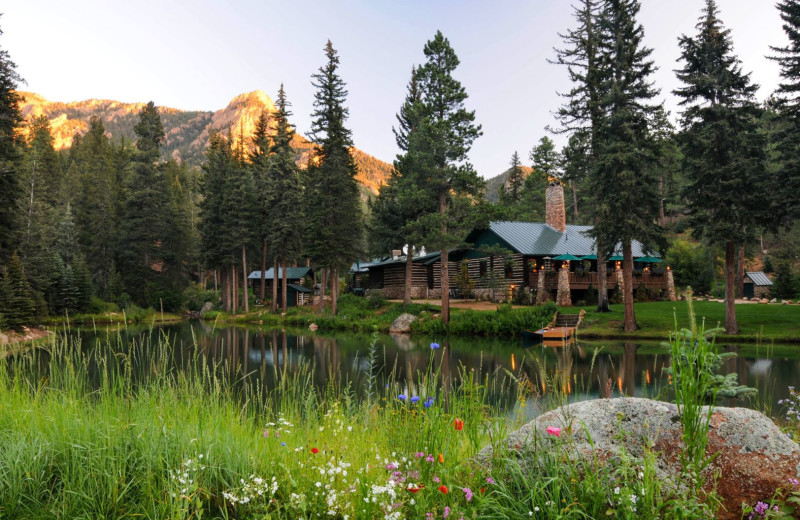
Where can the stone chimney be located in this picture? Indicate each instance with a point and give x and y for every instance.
(554, 204)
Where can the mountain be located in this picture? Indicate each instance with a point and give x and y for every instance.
(186, 132)
(494, 183)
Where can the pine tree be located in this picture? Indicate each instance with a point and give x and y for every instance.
(398, 212)
(723, 150)
(17, 306)
(334, 214)
(10, 119)
(285, 213)
(582, 111)
(577, 168)
(147, 220)
(787, 196)
(440, 148)
(259, 163)
(622, 183)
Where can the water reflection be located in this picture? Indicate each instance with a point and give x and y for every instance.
(549, 375)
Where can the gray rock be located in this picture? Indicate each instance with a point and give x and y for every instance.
(774, 300)
(403, 323)
(207, 306)
(754, 458)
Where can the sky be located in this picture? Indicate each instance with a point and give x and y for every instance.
(199, 54)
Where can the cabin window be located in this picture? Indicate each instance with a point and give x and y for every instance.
(483, 268)
(509, 268)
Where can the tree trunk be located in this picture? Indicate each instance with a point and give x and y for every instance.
(234, 290)
(731, 326)
(627, 276)
(409, 276)
(740, 273)
(263, 294)
(284, 283)
(602, 279)
(245, 292)
(275, 284)
(575, 202)
(215, 281)
(223, 290)
(445, 274)
(334, 289)
(322, 290)
(662, 218)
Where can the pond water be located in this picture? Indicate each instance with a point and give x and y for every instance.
(584, 370)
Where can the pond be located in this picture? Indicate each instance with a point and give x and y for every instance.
(550, 375)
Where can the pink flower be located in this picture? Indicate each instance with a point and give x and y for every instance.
(266, 433)
(446, 510)
(468, 493)
(554, 430)
(490, 480)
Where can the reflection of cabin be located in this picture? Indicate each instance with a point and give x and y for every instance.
(296, 292)
(756, 284)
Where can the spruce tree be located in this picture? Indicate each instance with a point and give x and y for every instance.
(582, 111)
(285, 212)
(516, 177)
(398, 212)
(334, 215)
(787, 136)
(10, 119)
(622, 183)
(146, 222)
(440, 148)
(17, 306)
(723, 150)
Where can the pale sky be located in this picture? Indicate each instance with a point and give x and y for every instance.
(198, 54)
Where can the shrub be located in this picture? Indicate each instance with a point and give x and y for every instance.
(375, 300)
(98, 306)
(195, 297)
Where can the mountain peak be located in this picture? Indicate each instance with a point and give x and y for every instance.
(256, 98)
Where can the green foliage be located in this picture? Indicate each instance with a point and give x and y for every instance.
(464, 283)
(768, 267)
(195, 297)
(505, 322)
(17, 305)
(10, 119)
(786, 281)
(693, 265)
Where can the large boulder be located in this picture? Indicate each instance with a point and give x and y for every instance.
(754, 458)
(402, 324)
(206, 308)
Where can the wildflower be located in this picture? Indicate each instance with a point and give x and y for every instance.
(402, 397)
(458, 424)
(489, 480)
(314, 450)
(434, 346)
(283, 444)
(428, 402)
(436, 479)
(616, 490)
(793, 481)
(443, 489)
(441, 458)
(446, 512)
(414, 488)
(419, 454)
(429, 458)
(266, 433)
(467, 493)
(483, 490)
(554, 430)
(415, 399)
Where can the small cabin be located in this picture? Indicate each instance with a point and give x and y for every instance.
(756, 285)
(296, 292)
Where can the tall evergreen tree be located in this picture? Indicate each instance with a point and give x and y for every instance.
(787, 196)
(10, 119)
(582, 111)
(285, 212)
(723, 150)
(577, 168)
(16, 299)
(622, 184)
(334, 214)
(510, 193)
(259, 163)
(398, 212)
(441, 146)
(146, 223)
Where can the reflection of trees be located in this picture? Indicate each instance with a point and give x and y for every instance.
(627, 383)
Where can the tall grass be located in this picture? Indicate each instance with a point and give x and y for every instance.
(136, 428)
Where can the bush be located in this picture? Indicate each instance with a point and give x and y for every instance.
(195, 297)
(98, 306)
(375, 300)
(505, 322)
(692, 264)
(167, 299)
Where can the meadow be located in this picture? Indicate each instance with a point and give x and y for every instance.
(113, 430)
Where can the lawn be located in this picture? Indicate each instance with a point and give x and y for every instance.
(757, 323)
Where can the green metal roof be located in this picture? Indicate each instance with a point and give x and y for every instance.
(759, 278)
(539, 239)
(299, 288)
(427, 259)
(292, 273)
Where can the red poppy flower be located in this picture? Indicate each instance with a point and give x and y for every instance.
(414, 488)
(443, 489)
(458, 424)
(314, 450)
(483, 491)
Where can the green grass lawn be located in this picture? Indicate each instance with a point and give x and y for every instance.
(764, 323)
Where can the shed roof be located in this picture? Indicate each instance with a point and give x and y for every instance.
(538, 238)
(299, 288)
(759, 278)
(292, 273)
